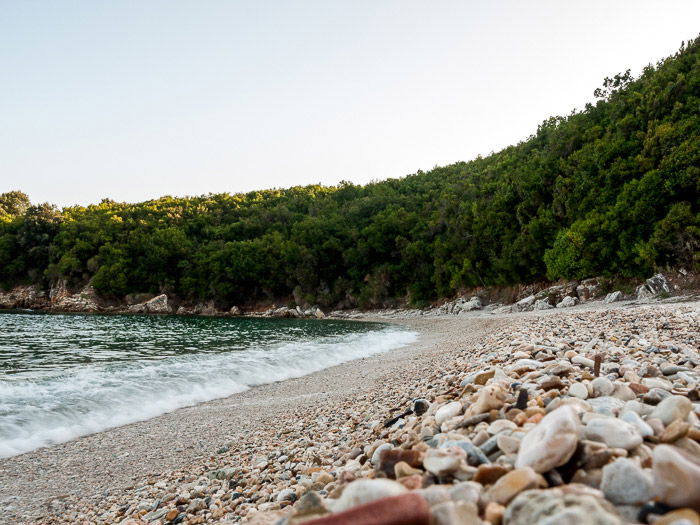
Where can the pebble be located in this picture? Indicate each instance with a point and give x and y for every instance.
(615, 433)
(626, 483)
(672, 408)
(448, 411)
(676, 477)
(365, 491)
(512, 484)
(551, 443)
(578, 390)
(602, 386)
(634, 419)
(554, 506)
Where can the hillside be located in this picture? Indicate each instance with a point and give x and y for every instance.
(610, 190)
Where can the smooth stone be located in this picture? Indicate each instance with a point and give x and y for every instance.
(602, 386)
(640, 409)
(674, 431)
(551, 443)
(672, 408)
(512, 484)
(488, 474)
(475, 456)
(578, 390)
(508, 444)
(448, 411)
(556, 507)
(615, 433)
(454, 513)
(626, 483)
(676, 477)
(443, 462)
(583, 361)
(657, 382)
(634, 419)
(466, 491)
(607, 405)
(624, 392)
(490, 397)
(365, 491)
(287, 495)
(500, 425)
(679, 517)
(378, 452)
(655, 396)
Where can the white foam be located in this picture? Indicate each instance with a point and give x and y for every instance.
(62, 407)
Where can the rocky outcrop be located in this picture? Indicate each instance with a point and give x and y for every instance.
(24, 297)
(653, 287)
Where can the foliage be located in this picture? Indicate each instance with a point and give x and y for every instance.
(610, 190)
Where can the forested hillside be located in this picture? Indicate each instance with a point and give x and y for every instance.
(610, 190)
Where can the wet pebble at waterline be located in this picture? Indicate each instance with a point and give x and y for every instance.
(519, 429)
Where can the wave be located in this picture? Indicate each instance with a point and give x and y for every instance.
(55, 409)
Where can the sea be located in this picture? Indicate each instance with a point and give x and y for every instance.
(65, 376)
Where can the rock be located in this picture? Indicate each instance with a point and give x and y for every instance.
(475, 456)
(490, 397)
(551, 443)
(679, 517)
(568, 302)
(443, 462)
(524, 304)
(615, 433)
(606, 405)
(493, 513)
(420, 406)
(626, 483)
(378, 452)
(287, 495)
(672, 408)
(509, 445)
(451, 513)
(388, 458)
(448, 411)
(409, 508)
(512, 484)
(676, 477)
(583, 361)
(234, 310)
(542, 304)
(365, 491)
(554, 506)
(642, 427)
(602, 386)
(613, 297)
(578, 390)
(318, 314)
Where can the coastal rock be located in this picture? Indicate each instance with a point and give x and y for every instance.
(626, 483)
(613, 297)
(542, 304)
(676, 477)
(551, 443)
(568, 302)
(602, 386)
(158, 305)
(554, 506)
(490, 397)
(642, 427)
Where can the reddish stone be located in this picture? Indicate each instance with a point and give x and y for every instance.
(638, 388)
(407, 509)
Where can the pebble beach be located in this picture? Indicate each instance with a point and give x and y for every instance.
(588, 415)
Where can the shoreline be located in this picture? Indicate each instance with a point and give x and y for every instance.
(83, 477)
(104, 461)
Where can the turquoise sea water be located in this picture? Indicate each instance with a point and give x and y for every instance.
(63, 376)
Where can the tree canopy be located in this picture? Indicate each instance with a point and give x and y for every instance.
(610, 190)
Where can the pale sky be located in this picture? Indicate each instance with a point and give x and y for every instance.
(133, 100)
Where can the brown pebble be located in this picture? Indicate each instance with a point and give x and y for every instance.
(407, 509)
(678, 517)
(674, 431)
(487, 474)
(389, 458)
(494, 513)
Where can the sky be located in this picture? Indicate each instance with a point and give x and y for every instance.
(132, 100)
